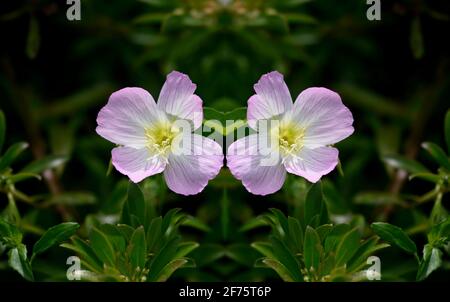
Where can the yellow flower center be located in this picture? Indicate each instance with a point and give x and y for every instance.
(290, 138)
(160, 138)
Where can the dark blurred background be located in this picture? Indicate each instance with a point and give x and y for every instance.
(56, 74)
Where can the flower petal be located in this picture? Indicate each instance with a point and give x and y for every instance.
(178, 99)
(312, 164)
(247, 164)
(126, 115)
(272, 98)
(323, 116)
(188, 174)
(137, 164)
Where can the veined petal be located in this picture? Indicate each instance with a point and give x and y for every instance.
(312, 164)
(137, 164)
(178, 99)
(272, 98)
(323, 116)
(126, 115)
(260, 174)
(188, 174)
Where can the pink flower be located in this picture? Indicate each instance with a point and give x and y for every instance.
(148, 133)
(300, 134)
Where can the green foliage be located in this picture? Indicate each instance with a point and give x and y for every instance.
(319, 252)
(395, 236)
(140, 248)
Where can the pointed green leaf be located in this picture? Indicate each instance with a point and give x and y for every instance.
(278, 267)
(432, 260)
(394, 235)
(295, 233)
(347, 247)
(137, 248)
(134, 206)
(19, 262)
(438, 154)
(46, 163)
(403, 163)
(11, 154)
(335, 236)
(171, 267)
(312, 249)
(54, 235)
(33, 39)
(102, 247)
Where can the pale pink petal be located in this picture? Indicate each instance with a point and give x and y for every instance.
(188, 174)
(137, 164)
(312, 164)
(258, 174)
(323, 116)
(272, 98)
(125, 117)
(178, 99)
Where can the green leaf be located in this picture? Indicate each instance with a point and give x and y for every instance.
(10, 235)
(312, 249)
(347, 247)
(19, 262)
(154, 233)
(323, 231)
(46, 163)
(33, 39)
(53, 236)
(364, 251)
(432, 260)
(11, 154)
(403, 163)
(264, 248)
(426, 176)
(334, 237)
(394, 235)
(438, 154)
(295, 233)
(115, 236)
(196, 223)
(137, 248)
(2, 129)
(171, 267)
(163, 257)
(72, 199)
(86, 252)
(134, 206)
(446, 130)
(254, 223)
(102, 247)
(416, 39)
(278, 267)
(315, 206)
(150, 18)
(285, 256)
(185, 248)
(22, 176)
(281, 222)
